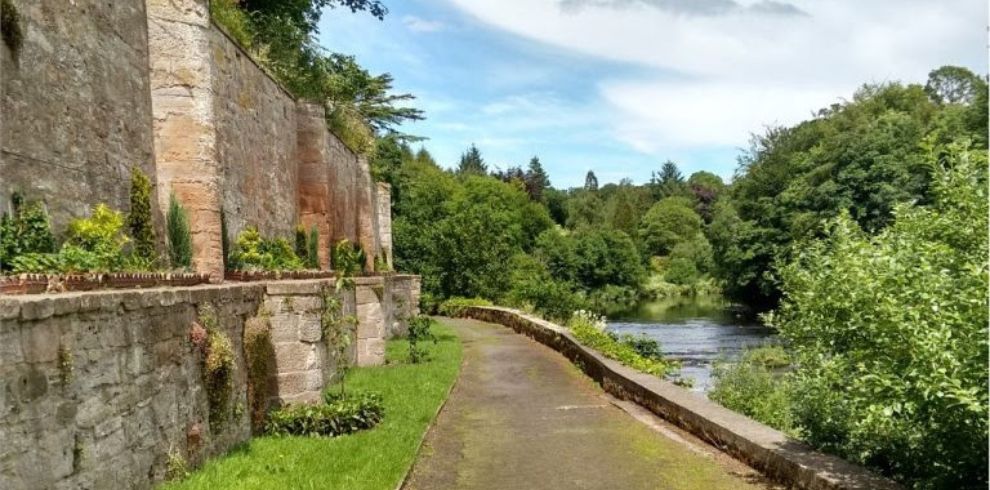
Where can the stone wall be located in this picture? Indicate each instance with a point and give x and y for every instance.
(98, 388)
(75, 104)
(256, 142)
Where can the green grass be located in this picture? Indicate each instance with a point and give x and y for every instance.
(372, 459)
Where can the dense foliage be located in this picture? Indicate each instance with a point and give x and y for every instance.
(863, 157)
(252, 251)
(339, 414)
(27, 230)
(179, 234)
(139, 218)
(590, 331)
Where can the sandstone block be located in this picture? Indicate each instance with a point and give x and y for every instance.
(310, 328)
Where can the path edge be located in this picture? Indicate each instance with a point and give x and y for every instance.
(773, 453)
(433, 422)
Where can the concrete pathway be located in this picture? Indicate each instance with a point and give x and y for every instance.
(523, 417)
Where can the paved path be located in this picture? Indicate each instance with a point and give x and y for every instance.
(522, 417)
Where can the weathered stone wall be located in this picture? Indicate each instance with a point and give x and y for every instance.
(314, 151)
(383, 195)
(97, 388)
(256, 142)
(75, 104)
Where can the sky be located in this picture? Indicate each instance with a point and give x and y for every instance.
(620, 86)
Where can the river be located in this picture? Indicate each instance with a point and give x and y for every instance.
(695, 331)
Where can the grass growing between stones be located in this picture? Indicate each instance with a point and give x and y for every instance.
(372, 459)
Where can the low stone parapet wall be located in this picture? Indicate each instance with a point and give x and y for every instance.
(780, 457)
(101, 389)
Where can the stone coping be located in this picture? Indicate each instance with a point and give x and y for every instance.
(770, 451)
(41, 306)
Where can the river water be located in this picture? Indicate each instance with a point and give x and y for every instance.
(696, 331)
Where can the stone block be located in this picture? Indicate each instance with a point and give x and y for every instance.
(295, 356)
(37, 308)
(370, 352)
(310, 328)
(285, 328)
(39, 341)
(301, 287)
(10, 308)
(306, 304)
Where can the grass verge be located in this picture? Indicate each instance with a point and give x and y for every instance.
(374, 459)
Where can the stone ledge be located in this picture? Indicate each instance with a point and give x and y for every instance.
(780, 457)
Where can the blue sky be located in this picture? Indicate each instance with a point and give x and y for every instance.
(619, 86)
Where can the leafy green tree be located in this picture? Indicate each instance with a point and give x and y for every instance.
(706, 188)
(607, 257)
(537, 180)
(667, 223)
(139, 219)
(305, 14)
(471, 163)
(954, 85)
(590, 181)
(890, 333)
(556, 201)
(585, 209)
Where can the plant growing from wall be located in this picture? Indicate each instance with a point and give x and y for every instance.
(65, 365)
(224, 240)
(176, 468)
(258, 356)
(139, 218)
(338, 329)
(10, 24)
(313, 250)
(217, 365)
(179, 235)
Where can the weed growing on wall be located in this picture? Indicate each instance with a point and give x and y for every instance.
(176, 468)
(65, 365)
(217, 367)
(347, 258)
(179, 235)
(10, 24)
(338, 329)
(259, 354)
(302, 247)
(139, 218)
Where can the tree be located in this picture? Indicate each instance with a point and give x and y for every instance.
(890, 332)
(139, 218)
(954, 85)
(585, 209)
(607, 257)
(668, 182)
(667, 223)
(471, 163)
(179, 236)
(556, 201)
(536, 179)
(305, 14)
(590, 181)
(706, 187)
(623, 212)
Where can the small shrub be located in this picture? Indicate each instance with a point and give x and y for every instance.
(680, 271)
(347, 258)
(179, 235)
(301, 245)
(139, 218)
(419, 333)
(643, 345)
(590, 331)
(454, 307)
(313, 249)
(254, 252)
(176, 468)
(259, 355)
(751, 388)
(95, 243)
(339, 330)
(26, 231)
(339, 414)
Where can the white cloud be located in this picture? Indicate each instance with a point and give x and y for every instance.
(715, 76)
(417, 24)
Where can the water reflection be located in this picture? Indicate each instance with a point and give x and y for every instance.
(697, 331)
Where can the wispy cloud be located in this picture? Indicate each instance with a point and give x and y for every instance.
(691, 7)
(417, 24)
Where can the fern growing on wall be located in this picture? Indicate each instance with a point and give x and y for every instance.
(179, 236)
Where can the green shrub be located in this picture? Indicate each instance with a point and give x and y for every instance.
(642, 344)
(26, 231)
(751, 387)
(347, 258)
(254, 252)
(890, 333)
(139, 219)
(301, 244)
(234, 20)
(179, 235)
(680, 271)
(590, 331)
(454, 307)
(338, 415)
(313, 249)
(95, 244)
(217, 367)
(419, 333)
